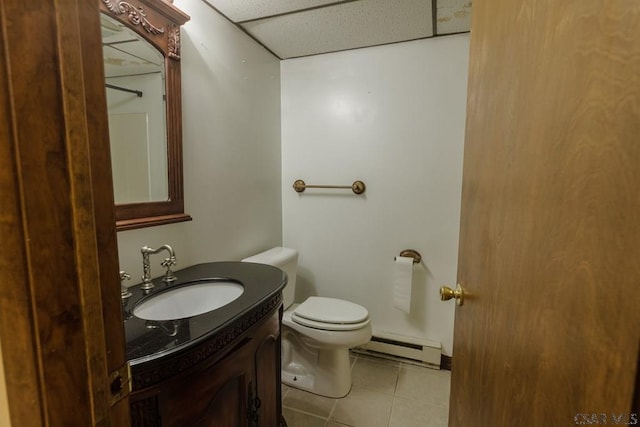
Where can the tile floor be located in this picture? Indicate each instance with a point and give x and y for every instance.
(383, 393)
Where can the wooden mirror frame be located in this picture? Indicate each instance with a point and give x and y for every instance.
(158, 22)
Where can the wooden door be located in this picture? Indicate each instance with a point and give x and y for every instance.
(550, 230)
(60, 315)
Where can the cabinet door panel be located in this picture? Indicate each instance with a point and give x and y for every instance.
(267, 363)
(216, 396)
(225, 409)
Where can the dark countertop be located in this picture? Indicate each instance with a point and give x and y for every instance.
(157, 342)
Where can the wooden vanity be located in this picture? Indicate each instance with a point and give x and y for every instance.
(220, 368)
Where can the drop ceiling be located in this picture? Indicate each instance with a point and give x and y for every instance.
(125, 53)
(294, 28)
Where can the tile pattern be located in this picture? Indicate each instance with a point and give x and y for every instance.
(384, 393)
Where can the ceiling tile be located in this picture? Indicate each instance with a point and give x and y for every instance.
(344, 26)
(125, 53)
(453, 16)
(244, 10)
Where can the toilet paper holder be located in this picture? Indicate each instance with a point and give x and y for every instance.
(411, 253)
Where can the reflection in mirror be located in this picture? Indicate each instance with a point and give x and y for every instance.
(134, 76)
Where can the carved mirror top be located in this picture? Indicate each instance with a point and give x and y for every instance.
(158, 21)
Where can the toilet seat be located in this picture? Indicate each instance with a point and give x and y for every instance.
(330, 314)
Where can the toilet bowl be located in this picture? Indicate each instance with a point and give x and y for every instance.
(316, 334)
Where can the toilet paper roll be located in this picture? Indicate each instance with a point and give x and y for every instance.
(402, 283)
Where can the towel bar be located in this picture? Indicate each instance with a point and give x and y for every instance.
(357, 187)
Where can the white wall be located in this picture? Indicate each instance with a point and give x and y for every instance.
(231, 121)
(392, 116)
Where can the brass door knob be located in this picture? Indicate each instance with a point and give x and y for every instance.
(446, 293)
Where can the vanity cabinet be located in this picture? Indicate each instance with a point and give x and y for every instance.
(239, 388)
(220, 368)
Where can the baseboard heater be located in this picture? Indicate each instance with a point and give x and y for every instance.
(410, 349)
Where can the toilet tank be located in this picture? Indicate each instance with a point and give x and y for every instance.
(285, 259)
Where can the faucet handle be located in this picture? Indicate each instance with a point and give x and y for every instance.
(169, 277)
(124, 291)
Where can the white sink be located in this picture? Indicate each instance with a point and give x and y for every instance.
(189, 300)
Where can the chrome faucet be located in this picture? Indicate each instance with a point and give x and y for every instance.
(146, 265)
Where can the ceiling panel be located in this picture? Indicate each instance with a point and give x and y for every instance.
(293, 28)
(453, 16)
(343, 26)
(245, 10)
(125, 53)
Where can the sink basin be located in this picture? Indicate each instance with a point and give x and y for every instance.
(189, 300)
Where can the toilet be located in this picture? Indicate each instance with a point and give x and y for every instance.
(316, 334)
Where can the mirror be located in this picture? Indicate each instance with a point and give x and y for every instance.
(135, 82)
(141, 53)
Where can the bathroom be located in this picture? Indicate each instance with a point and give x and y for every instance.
(241, 155)
(395, 120)
(52, 311)
(392, 116)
